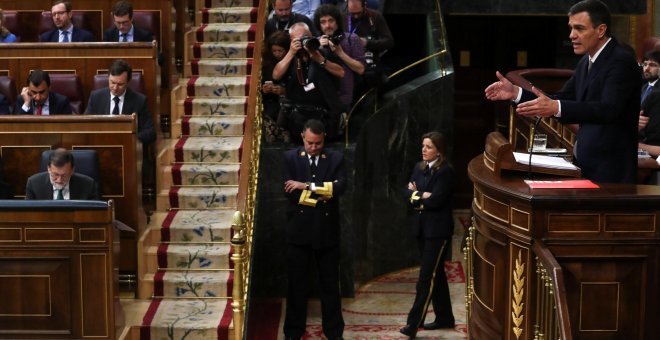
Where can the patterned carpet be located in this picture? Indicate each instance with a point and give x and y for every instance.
(379, 308)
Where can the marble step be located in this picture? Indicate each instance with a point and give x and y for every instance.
(193, 284)
(225, 32)
(214, 87)
(226, 15)
(226, 3)
(199, 174)
(191, 319)
(222, 50)
(209, 126)
(190, 149)
(219, 67)
(201, 197)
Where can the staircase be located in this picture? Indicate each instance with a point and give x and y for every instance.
(186, 263)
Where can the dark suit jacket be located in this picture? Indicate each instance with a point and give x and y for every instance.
(605, 103)
(78, 35)
(99, 104)
(112, 35)
(57, 105)
(650, 134)
(4, 105)
(433, 215)
(316, 226)
(81, 187)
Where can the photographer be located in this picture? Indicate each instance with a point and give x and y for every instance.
(311, 75)
(346, 46)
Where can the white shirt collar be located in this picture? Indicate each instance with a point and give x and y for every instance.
(652, 83)
(65, 192)
(430, 164)
(593, 59)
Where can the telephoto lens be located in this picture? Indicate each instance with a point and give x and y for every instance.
(310, 43)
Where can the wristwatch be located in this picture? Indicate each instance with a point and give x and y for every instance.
(323, 62)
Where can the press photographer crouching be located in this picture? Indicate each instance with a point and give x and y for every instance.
(311, 75)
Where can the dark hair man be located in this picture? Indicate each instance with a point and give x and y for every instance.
(37, 99)
(347, 46)
(371, 27)
(283, 18)
(118, 98)
(602, 97)
(123, 29)
(64, 30)
(649, 115)
(60, 182)
(314, 178)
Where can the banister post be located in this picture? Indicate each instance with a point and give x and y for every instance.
(238, 303)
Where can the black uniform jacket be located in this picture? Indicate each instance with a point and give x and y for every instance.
(433, 215)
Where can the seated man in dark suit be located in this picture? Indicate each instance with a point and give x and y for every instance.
(124, 30)
(60, 182)
(118, 98)
(4, 105)
(64, 31)
(37, 99)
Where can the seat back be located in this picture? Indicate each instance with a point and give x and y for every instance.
(86, 162)
(8, 89)
(136, 84)
(11, 23)
(148, 20)
(70, 86)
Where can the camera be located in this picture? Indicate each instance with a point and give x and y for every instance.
(310, 43)
(337, 38)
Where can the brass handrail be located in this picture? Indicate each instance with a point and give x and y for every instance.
(373, 89)
(552, 319)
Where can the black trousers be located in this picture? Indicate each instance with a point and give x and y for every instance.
(299, 258)
(432, 284)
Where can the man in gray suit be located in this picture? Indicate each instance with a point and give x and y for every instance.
(60, 182)
(118, 98)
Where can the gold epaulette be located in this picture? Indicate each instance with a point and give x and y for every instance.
(325, 190)
(306, 199)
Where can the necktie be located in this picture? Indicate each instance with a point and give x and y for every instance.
(646, 93)
(65, 36)
(60, 196)
(115, 111)
(124, 37)
(589, 66)
(312, 166)
(39, 110)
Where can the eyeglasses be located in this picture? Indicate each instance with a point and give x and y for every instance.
(54, 175)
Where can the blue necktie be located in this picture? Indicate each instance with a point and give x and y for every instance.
(60, 196)
(646, 93)
(115, 110)
(124, 37)
(65, 36)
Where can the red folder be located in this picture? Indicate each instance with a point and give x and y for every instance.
(563, 184)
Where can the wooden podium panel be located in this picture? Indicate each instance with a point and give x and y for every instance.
(57, 270)
(606, 240)
(24, 138)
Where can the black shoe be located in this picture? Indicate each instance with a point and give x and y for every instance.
(409, 331)
(439, 325)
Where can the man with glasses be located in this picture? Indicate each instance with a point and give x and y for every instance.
(60, 182)
(124, 30)
(64, 31)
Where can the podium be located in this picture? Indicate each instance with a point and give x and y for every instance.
(561, 263)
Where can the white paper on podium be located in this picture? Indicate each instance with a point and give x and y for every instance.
(544, 161)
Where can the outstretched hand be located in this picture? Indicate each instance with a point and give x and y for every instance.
(542, 106)
(502, 89)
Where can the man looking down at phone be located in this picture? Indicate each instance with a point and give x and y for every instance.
(37, 99)
(347, 46)
(311, 75)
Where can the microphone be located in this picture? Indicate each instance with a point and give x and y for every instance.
(531, 150)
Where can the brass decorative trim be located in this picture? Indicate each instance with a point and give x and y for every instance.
(551, 230)
(50, 295)
(104, 281)
(652, 217)
(492, 302)
(618, 297)
(478, 198)
(526, 216)
(102, 230)
(518, 293)
(487, 212)
(28, 240)
(20, 235)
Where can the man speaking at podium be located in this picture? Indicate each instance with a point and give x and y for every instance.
(602, 97)
(60, 182)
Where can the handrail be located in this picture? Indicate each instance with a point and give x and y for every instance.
(547, 266)
(243, 220)
(373, 89)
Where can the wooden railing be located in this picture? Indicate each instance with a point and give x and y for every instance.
(243, 223)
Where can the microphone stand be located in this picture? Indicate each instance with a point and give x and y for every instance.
(531, 150)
